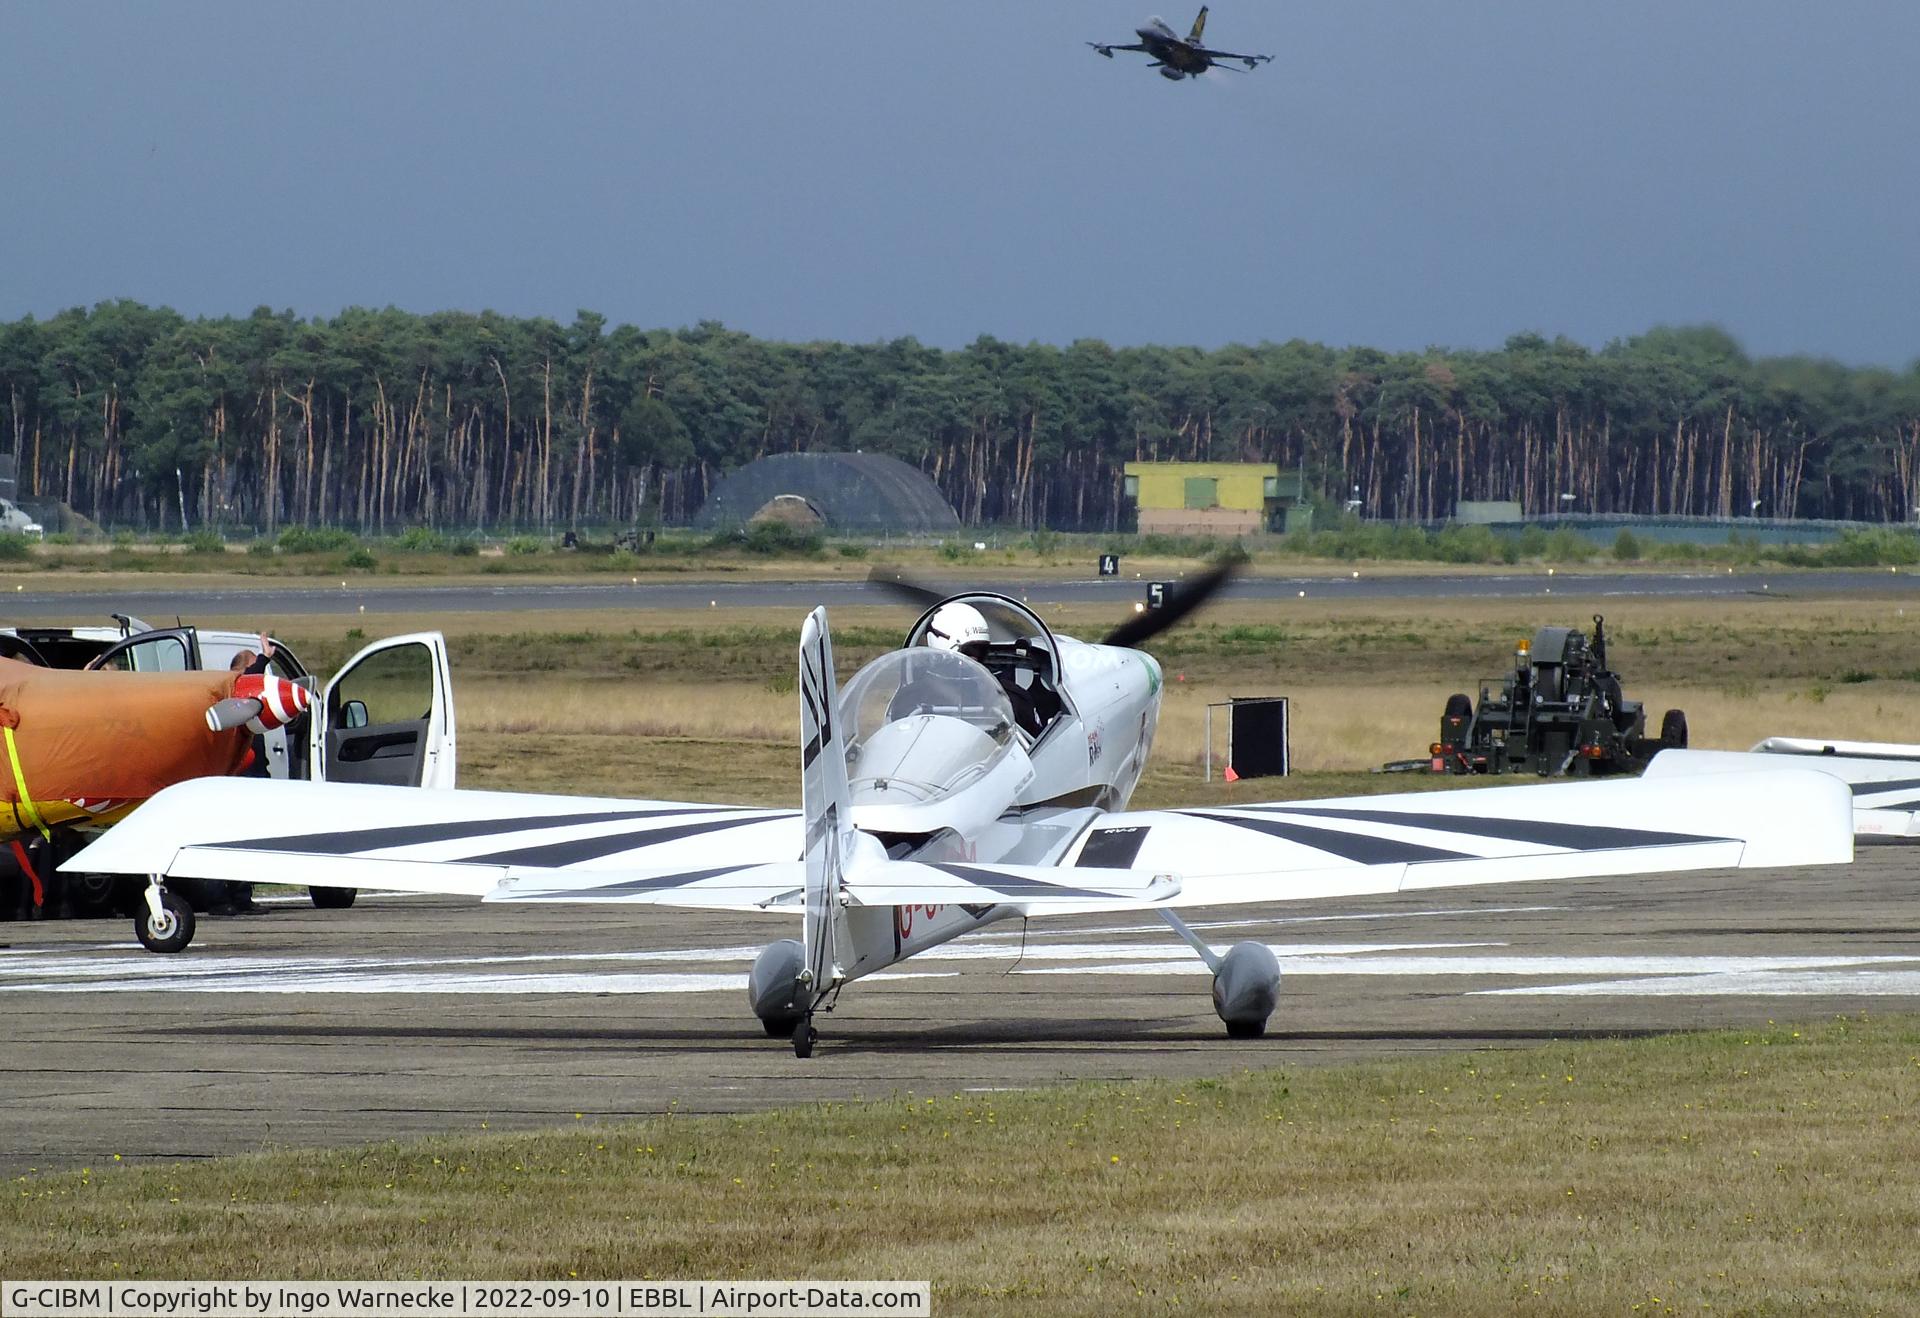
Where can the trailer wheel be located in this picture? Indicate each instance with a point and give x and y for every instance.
(333, 899)
(1673, 729)
(172, 931)
(1458, 706)
(94, 894)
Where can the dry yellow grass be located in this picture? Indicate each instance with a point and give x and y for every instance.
(733, 711)
(600, 701)
(1337, 728)
(1342, 728)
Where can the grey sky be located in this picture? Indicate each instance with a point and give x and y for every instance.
(1402, 174)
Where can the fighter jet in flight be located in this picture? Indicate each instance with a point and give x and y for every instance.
(1177, 59)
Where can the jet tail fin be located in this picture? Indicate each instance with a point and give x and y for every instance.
(826, 804)
(1199, 27)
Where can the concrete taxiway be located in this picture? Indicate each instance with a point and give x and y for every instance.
(407, 1017)
(354, 595)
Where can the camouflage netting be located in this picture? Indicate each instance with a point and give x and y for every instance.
(852, 491)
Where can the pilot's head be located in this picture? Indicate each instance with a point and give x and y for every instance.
(958, 627)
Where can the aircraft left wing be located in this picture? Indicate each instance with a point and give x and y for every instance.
(408, 840)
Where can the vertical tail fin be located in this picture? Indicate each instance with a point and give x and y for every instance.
(825, 803)
(1199, 26)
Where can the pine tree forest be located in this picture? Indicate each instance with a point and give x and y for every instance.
(383, 420)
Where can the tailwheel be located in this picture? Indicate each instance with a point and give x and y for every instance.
(804, 1037)
(164, 922)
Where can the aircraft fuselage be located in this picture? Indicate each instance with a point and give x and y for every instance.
(1177, 59)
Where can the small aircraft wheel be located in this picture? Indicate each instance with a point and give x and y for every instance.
(1246, 1029)
(1673, 729)
(333, 899)
(804, 1037)
(172, 931)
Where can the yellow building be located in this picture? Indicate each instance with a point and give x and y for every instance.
(1215, 498)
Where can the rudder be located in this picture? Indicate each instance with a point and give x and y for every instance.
(825, 804)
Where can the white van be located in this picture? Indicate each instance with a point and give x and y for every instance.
(385, 717)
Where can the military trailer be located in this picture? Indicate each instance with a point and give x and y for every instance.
(1559, 712)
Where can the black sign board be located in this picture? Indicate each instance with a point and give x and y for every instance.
(1257, 737)
(1109, 565)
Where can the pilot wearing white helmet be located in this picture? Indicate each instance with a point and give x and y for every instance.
(957, 626)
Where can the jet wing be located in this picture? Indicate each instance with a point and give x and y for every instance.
(408, 840)
(1248, 60)
(1364, 845)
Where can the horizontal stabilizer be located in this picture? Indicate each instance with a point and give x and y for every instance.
(889, 883)
(1859, 750)
(1031, 887)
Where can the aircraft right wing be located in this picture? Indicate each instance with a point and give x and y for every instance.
(1248, 60)
(1354, 846)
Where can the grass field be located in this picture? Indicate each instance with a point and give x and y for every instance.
(1732, 1172)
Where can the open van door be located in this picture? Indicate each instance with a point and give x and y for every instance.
(387, 716)
(163, 650)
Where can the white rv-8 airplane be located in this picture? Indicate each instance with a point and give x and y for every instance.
(980, 773)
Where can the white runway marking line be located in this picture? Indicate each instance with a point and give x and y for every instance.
(415, 985)
(1839, 981)
(1664, 976)
(59, 970)
(139, 964)
(962, 951)
(1315, 962)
